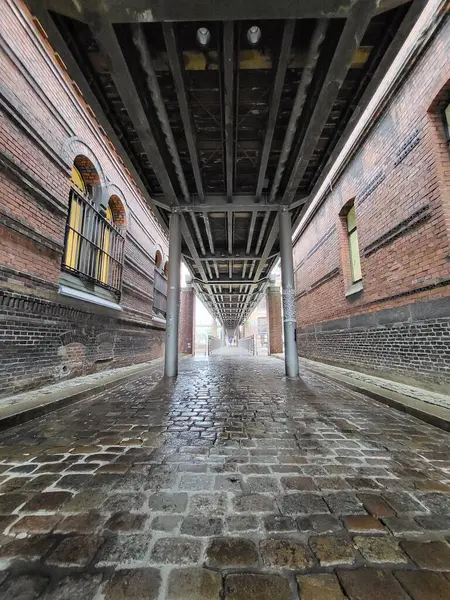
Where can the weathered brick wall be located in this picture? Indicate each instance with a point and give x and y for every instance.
(399, 181)
(44, 126)
(275, 323)
(187, 311)
(43, 341)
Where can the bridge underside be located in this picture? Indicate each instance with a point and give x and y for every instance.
(227, 113)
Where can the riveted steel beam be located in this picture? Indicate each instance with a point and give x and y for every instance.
(283, 60)
(354, 29)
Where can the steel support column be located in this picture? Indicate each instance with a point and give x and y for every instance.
(287, 282)
(173, 297)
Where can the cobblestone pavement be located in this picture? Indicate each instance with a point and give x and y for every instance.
(229, 484)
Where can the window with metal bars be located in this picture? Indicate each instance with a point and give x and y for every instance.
(447, 123)
(94, 245)
(355, 260)
(160, 294)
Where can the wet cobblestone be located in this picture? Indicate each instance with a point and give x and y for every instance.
(229, 483)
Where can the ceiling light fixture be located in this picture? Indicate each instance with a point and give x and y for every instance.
(203, 36)
(254, 35)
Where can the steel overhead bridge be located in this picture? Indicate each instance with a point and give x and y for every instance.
(228, 114)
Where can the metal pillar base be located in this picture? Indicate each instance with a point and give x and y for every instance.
(173, 297)
(288, 290)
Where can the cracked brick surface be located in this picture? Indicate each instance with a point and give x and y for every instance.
(229, 482)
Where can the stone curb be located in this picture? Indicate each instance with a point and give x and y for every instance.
(433, 415)
(70, 397)
(429, 413)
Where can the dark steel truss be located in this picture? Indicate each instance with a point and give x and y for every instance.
(230, 133)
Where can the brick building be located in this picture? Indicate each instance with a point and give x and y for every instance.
(82, 259)
(373, 263)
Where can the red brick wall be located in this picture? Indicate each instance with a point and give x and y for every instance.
(187, 315)
(403, 224)
(275, 324)
(44, 126)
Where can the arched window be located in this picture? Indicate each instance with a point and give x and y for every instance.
(94, 241)
(160, 286)
(158, 259)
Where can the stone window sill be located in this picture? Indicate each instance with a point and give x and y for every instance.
(355, 288)
(65, 290)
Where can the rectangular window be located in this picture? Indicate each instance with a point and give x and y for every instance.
(160, 294)
(355, 261)
(447, 123)
(94, 246)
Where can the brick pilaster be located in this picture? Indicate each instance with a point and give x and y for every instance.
(187, 311)
(274, 319)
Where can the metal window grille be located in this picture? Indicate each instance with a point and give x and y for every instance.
(93, 246)
(160, 293)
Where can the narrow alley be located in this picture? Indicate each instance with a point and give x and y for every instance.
(229, 482)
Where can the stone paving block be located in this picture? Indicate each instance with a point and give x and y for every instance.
(13, 484)
(302, 503)
(73, 483)
(23, 587)
(195, 583)
(84, 501)
(298, 483)
(39, 483)
(285, 554)
(166, 502)
(402, 525)
(376, 505)
(196, 482)
(123, 549)
(421, 585)
(82, 586)
(231, 552)
(165, 522)
(435, 502)
(33, 547)
(320, 586)
(125, 522)
(5, 521)
(363, 524)
(333, 550)
(402, 502)
(260, 484)
(275, 523)
(201, 526)
(251, 586)
(344, 503)
(432, 556)
(80, 523)
(46, 501)
(176, 551)
(319, 524)
(35, 524)
(124, 502)
(253, 503)
(9, 502)
(228, 483)
(369, 584)
(434, 522)
(380, 549)
(76, 551)
(254, 469)
(331, 483)
(242, 523)
(133, 584)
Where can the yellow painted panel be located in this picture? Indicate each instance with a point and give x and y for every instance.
(254, 59)
(351, 219)
(355, 258)
(77, 181)
(447, 119)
